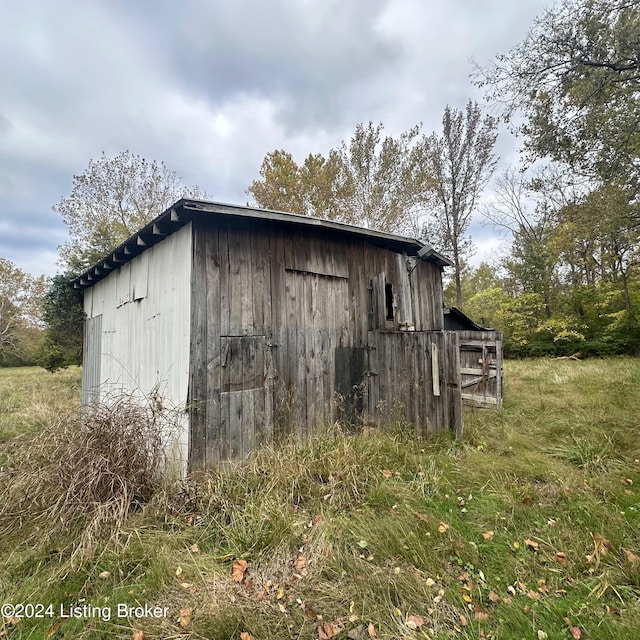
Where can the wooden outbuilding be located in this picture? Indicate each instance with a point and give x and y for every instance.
(257, 324)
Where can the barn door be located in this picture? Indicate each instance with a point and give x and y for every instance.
(481, 371)
(246, 415)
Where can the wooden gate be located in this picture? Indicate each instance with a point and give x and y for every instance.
(481, 368)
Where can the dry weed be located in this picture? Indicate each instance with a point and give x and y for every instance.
(83, 474)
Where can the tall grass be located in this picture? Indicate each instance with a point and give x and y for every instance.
(527, 527)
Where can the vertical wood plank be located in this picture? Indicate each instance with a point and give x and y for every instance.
(225, 280)
(278, 333)
(235, 425)
(212, 320)
(198, 369)
(452, 348)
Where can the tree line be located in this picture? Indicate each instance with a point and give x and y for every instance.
(569, 280)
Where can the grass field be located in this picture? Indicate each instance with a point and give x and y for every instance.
(528, 527)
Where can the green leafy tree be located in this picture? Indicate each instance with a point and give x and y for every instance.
(63, 314)
(383, 173)
(21, 297)
(474, 280)
(575, 78)
(111, 200)
(457, 165)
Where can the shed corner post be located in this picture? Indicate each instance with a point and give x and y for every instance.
(454, 382)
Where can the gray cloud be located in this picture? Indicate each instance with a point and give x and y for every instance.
(211, 87)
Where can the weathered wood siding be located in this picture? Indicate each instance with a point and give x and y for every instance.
(415, 377)
(481, 368)
(144, 339)
(281, 321)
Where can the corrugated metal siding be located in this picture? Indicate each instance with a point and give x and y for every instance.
(145, 309)
(92, 349)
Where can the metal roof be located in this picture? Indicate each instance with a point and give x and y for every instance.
(186, 210)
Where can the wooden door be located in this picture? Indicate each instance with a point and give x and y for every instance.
(246, 413)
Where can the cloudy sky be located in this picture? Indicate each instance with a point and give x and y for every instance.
(209, 87)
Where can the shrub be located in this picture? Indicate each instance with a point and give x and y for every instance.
(80, 477)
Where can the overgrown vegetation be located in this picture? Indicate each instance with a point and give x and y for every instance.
(528, 527)
(81, 475)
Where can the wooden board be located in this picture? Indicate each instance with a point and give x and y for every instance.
(481, 368)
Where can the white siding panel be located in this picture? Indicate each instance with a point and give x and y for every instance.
(145, 342)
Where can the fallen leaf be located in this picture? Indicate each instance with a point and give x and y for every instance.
(631, 557)
(467, 598)
(413, 622)
(574, 631)
(480, 614)
(493, 596)
(246, 636)
(387, 473)
(238, 569)
(463, 621)
(542, 635)
(516, 545)
(443, 528)
(507, 600)
(526, 500)
(371, 630)
(487, 535)
(138, 635)
(194, 548)
(421, 516)
(602, 545)
(532, 544)
(561, 557)
(356, 633)
(328, 631)
(534, 595)
(300, 563)
(178, 572)
(186, 585)
(104, 574)
(185, 617)
(430, 582)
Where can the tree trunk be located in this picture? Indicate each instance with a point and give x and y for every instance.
(456, 266)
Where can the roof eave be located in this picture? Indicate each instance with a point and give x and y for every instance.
(183, 210)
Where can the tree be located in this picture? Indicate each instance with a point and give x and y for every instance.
(383, 173)
(280, 186)
(63, 314)
(111, 200)
(21, 297)
(521, 207)
(370, 181)
(457, 166)
(575, 78)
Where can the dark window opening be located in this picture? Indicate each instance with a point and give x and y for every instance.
(388, 299)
